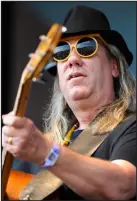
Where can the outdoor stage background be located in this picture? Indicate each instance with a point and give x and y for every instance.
(24, 22)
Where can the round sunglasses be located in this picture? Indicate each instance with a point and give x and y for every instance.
(85, 46)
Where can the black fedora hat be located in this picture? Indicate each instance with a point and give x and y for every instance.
(84, 20)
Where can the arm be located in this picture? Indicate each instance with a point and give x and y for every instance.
(89, 177)
(94, 178)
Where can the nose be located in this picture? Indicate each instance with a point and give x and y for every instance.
(74, 59)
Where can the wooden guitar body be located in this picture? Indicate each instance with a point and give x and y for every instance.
(16, 183)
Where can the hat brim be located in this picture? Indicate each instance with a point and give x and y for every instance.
(110, 36)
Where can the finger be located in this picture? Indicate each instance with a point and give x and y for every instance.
(15, 149)
(5, 141)
(11, 142)
(10, 113)
(12, 149)
(20, 135)
(15, 121)
(8, 131)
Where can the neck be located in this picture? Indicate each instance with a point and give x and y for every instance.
(85, 116)
(86, 110)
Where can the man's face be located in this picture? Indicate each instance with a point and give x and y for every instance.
(80, 78)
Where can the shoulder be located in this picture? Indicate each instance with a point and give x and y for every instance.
(123, 141)
(126, 127)
(127, 123)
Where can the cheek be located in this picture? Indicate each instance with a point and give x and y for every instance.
(61, 84)
(60, 72)
(60, 69)
(98, 69)
(61, 77)
(92, 66)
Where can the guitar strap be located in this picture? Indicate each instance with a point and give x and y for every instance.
(45, 183)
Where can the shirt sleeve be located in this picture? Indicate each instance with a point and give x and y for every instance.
(125, 147)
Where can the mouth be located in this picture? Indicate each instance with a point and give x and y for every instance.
(75, 75)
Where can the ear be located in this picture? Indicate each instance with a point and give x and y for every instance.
(115, 70)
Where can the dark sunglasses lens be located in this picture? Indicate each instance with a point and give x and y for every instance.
(86, 46)
(61, 51)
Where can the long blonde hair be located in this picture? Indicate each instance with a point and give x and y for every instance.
(58, 117)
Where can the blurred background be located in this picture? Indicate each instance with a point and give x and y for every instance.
(24, 22)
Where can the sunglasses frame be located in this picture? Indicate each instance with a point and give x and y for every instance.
(78, 38)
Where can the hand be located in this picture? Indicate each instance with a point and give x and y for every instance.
(23, 140)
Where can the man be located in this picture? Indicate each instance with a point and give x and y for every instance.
(92, 88)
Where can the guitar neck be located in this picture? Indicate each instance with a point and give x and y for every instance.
(19, 110)
(34, 67)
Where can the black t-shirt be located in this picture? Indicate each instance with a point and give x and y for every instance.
(117, 145)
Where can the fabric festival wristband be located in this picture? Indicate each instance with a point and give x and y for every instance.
(52, 157)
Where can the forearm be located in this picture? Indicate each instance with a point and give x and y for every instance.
(90, 177)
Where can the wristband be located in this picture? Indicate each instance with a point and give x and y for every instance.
(52, 157)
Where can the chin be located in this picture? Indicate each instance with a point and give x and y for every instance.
(79, 93)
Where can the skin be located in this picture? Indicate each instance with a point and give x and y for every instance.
(85, 95)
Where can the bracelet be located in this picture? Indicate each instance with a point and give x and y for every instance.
(52, 157)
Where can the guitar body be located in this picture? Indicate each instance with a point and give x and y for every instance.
(17, 182)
